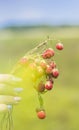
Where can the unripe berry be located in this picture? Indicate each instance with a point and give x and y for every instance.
(43, 64)
(53, 64)
(40, 71)
(41, 114)
(55, 72)
(32, 66)
(23, 60)
(48, 85)
(41, 87)
(59, 46)
(48, 69)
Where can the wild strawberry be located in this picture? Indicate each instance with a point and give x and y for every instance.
(23, 60)
(41, 87)
(32, 66)
(48, 85)
(59, 46)
(53, 64)
(48, 69)
(40, 71)
(43, 64)
(41, 114)
(37, 60)
(55, 72)
(48, 53)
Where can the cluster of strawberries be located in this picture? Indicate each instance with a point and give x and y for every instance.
(51, 72)
(43, 72)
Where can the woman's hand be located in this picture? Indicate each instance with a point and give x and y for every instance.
(9, 90)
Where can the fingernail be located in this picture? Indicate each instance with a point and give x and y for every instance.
(9, 106)
(17, 98)
(18, 90)
(3, 107)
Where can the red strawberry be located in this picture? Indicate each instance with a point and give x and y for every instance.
(59, 46)
(41, 114)
(48, 53)
(48, 85)
(55, 73)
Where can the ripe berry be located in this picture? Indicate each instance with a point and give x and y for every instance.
(48, 85)
(59, 46)
(32, 66)
(55, 73)
(41, 114)
(48, 53)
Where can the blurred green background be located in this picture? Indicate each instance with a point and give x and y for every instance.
(62, 103)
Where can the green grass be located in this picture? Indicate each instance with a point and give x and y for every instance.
(62, 103)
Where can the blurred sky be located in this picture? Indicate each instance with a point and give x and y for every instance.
(53, 12)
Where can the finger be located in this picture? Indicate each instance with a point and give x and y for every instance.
(4, 99)
(3, 108)
(6, 89)
(10, 79)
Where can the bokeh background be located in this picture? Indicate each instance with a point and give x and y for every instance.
(24, 24)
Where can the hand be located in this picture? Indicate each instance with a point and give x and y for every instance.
(9, 90)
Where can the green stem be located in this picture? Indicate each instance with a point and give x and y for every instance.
(37, 47)
(40, 100)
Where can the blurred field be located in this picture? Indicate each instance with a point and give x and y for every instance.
(62, 103)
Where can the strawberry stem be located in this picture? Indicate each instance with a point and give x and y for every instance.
(37, 47)
(40, 100)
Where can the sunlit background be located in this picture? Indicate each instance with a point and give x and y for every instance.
(24, 24)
